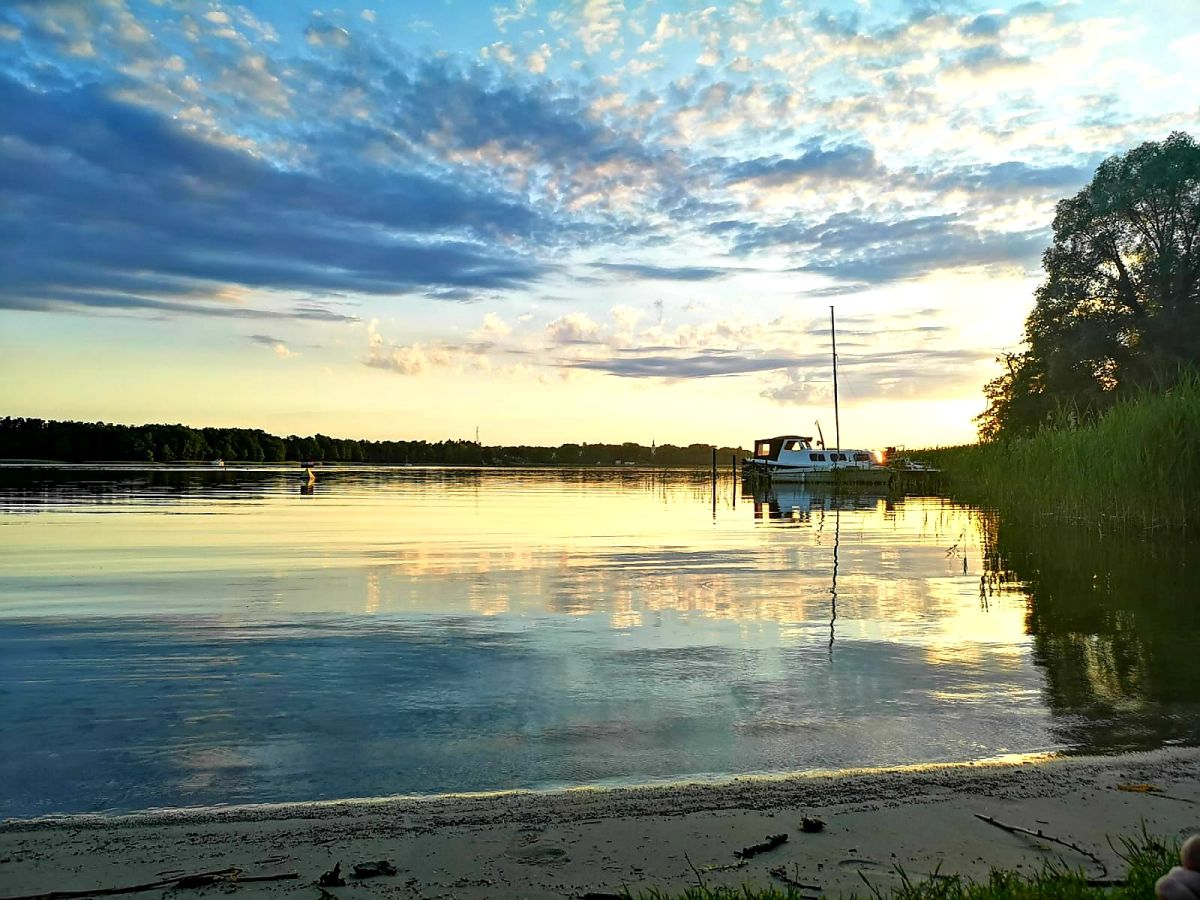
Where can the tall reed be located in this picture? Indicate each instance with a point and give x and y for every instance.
(1137, 466)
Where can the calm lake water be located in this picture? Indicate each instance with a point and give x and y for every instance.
(174, 638)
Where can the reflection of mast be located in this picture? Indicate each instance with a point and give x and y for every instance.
(837, 533)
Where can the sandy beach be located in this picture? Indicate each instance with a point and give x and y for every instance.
(570, 843)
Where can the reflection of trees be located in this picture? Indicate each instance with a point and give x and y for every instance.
(1114, 626)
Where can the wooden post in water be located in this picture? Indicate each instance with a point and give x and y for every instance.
(714, 480)
(734, 472)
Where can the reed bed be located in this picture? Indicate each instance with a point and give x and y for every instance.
(1138, 466)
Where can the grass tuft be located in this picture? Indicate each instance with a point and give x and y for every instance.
(1147, 859)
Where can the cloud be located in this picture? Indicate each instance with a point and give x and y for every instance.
(277, 344)
(535, 62)
(502, 16)
(901, 374)
(501, 52)
(148, 162)
(663, 273)
(1017, 176)
(493, 328)
(111, 204)
(601, 24)
(422, 358)
(573, 328)
(852, 247)
(839, 163)
(703, 364)
(59, 299)
(625, 317)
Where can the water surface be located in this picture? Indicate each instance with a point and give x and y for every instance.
(174, 638)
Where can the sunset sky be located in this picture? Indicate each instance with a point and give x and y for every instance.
(588, 221)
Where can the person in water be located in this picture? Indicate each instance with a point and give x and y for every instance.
(1183, 881)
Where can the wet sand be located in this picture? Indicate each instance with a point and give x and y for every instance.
(569, 843)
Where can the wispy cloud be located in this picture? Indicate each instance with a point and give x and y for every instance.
(112, 200)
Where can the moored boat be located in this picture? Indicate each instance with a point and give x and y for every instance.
(793, 459)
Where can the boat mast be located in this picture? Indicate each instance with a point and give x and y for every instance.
(837, 425)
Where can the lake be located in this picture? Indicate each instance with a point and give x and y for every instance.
(176, 637)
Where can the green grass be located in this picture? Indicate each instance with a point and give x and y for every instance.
(1138, 466)
(1147, 859)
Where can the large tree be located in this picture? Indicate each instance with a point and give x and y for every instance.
(1120, 305)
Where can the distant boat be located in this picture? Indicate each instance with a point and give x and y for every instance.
(792, 457)
(218, 462)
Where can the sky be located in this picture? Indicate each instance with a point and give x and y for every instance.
(592, 221)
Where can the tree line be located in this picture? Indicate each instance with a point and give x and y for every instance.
(1119, 310)
(41, 439)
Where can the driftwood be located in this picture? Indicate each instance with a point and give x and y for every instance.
(772, 841)
(1042, 836)
(195, 879)
(374, 869)
(332, 878)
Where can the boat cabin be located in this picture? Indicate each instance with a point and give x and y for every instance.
(782, 448)
(769, 448)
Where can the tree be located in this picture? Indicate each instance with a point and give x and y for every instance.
(1120, 306)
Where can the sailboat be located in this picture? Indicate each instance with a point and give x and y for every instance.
(793, 458)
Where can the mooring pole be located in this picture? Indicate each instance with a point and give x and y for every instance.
(837, 423)
(714, 480)
(734, 472)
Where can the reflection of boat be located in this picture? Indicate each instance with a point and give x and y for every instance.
(795, 502)
(793, 458)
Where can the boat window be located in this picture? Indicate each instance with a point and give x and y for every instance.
(862, 457)
(764, 449)
(795, 445)
(817, 457)
(838, 457)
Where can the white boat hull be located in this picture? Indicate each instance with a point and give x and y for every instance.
(832, 475)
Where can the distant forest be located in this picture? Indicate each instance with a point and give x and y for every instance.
(40, 439)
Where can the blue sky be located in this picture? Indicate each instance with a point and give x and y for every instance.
(600, 220)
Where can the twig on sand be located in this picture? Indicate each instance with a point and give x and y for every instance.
(772, 841)
(1040, 835)
(196, 879)
(723, 867)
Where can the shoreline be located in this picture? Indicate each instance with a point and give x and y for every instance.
(686, 785)
(566, 843)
